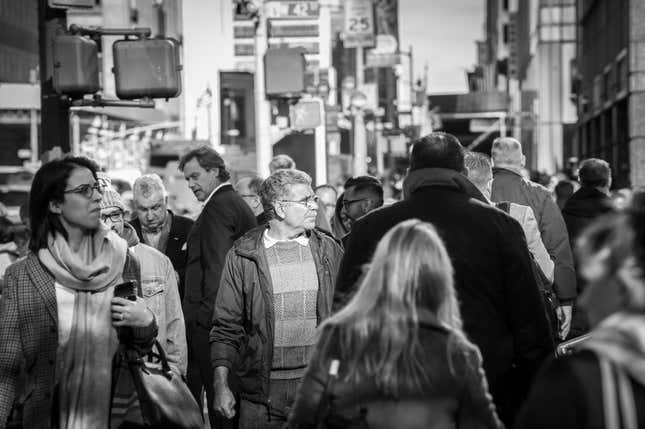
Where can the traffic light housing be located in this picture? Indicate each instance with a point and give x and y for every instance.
(146, 68)
(76, 67)
(284, 72)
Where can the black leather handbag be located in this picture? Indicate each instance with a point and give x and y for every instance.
(164, 398)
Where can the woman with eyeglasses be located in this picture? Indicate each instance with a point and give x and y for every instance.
(602, 383)
(396, 355)
(59, 316)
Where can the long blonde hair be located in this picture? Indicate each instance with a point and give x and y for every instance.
(379, 327)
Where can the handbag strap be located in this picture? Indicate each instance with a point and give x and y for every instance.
(610, 405)
(611, 401)
(627, 405)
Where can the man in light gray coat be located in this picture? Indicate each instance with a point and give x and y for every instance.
(510, 185)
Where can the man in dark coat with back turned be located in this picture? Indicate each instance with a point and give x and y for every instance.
(501, 305)
(224, 218)
(585, 205)
(591, 200)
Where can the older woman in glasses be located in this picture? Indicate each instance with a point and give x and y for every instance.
(276, 287)
(59, 316)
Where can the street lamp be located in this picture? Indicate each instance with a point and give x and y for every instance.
(357, 103)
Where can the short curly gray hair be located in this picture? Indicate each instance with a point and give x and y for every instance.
(147, 185)
(276, 187)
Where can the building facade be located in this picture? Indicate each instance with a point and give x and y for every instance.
(528, 52)
(609, 86)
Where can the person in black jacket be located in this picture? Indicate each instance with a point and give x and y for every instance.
(378, 346)
(159, 227)
(569, 392)
(224, 218)
(586, 204)
(500, 301)
(591, 200)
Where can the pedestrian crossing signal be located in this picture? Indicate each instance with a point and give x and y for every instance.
(76, 67)
(146, 68)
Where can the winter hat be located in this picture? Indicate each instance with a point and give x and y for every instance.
(111, 198)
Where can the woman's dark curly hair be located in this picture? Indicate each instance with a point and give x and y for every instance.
(49, 185)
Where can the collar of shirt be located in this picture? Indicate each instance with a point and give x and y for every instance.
(215, 190)
(270, 242)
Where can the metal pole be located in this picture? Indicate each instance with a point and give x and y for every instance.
(360, 136)
(411, 77)
(33, 135)
(263, 147)
(76, 135)
(54, 111)
(321, 147)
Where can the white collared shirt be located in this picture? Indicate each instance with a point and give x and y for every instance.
(270, 242)
(214, 190)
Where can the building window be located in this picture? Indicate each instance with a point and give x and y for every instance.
(505, 31)
(505, 5)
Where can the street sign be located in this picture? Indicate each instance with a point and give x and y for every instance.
(64, 4)
(373, 59)
(292, 9)
(482, 125)
(305, 115)
(359, 24)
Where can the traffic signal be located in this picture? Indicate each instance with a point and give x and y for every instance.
(76, 67)
(146, 68)
(284, 72)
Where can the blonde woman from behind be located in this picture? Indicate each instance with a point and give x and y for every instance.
(396, 355)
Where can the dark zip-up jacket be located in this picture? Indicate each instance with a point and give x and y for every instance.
(242, 335)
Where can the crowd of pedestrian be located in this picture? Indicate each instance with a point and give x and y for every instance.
(284, 305)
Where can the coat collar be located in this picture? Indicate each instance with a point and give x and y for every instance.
(43, 281)
(440, 177)
(506, 172)
(219, 187)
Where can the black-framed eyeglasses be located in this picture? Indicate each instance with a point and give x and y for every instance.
(348, 202)
(309, 202)
(113, 217)
(86, 190)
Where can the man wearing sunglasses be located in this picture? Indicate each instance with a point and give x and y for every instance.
(362, 195)
(276, 288)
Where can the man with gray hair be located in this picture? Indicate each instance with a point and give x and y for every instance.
(281, 162)
(480, 172)
(277, 286)
(159, 227)
(509, 185)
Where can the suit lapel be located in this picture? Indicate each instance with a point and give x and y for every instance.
(44, 284)
(172, 245)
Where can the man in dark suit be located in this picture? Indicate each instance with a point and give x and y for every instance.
(224, 218)
(159, 227)
(501, 305)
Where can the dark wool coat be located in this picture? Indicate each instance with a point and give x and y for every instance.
(176, 248)
(501, 305)
(224, 219)
(585, 205)
(567, 394)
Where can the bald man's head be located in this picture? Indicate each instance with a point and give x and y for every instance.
(507, 152)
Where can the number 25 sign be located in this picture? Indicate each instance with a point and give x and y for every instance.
(359, 23)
